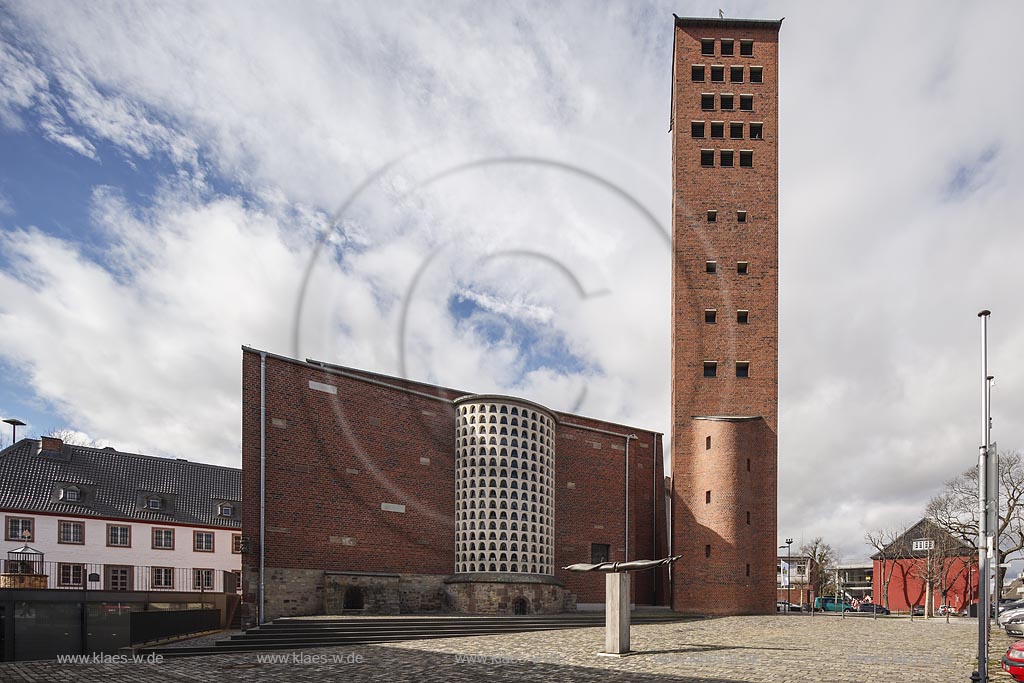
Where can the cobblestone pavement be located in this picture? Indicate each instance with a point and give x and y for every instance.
(797, 648)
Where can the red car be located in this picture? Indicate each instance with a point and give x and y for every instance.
(1013, 661)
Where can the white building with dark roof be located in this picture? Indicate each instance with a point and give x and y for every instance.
(107, 520)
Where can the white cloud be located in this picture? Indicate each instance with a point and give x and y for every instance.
(882, 266)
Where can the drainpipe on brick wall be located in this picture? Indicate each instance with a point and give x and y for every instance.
(628, 437)
(260, 610)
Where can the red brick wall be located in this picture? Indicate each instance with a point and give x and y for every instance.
(337, 457)
(721, 578)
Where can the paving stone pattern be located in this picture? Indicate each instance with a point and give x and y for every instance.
(796, 648)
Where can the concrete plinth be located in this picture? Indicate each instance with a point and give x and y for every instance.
(616, 616)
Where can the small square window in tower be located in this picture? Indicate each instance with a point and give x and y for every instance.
(742, 317)
(712, 216)
(707, 157)
(735, 74)
(718, 129)
(728, 47)
(707, 101)
(710, 316)
(757, 131)
(736, 130)
(746, 48)
(696, 129)
(746, 158)
(727, 102)
(741, 216)
(717, 73)
(741, 267)
(711, 267)
(711, 368)
(746, 103)
(756, 74)
(697, 73)
(707, 46)
(742, 368)
(726, 158)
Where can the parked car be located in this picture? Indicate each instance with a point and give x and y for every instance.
(1006, 615)
(871, 607)
(1013, 661)
(830, 605)
(1006, 605)
(917, 611)
(1015, 626)
(946, 609)
(783, 606)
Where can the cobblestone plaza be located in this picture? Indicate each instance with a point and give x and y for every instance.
(798, 648)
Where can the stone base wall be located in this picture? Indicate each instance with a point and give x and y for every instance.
(492, 595)
(356, 593)
(421, 593)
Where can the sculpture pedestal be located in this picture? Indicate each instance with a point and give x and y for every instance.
(616, 615)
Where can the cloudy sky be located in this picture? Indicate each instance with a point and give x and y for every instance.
(477, 194)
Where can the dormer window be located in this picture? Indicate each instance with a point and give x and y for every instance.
(154, 503)
(226, 510)
(72, 494)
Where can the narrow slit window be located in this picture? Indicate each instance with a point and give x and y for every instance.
(710, 368)
(707, 101)
(746, 103)
(757, 131)
(707, 157)
(728, 47)
(710, 316)
(718, 129)
(717, 73)
(756, 74)
(736, 74)
(741, 267)
(742, 368)
(748, 522)
(748, 464)
(707, 550)
(746, 158)
(736, 130)
(707, 443)
(726, 158)
(711, 266)
(746, 48)
(742, 317)
(696, 129)
(712, 216)
(697, 73)
(727, 102)
(707, 46)
(707, 497)
(741, 216)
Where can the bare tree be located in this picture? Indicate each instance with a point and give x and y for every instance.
(888, 552)
(955, 508)
(73, 438)
(822, 558)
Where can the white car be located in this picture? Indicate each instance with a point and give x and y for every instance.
(1004, 617)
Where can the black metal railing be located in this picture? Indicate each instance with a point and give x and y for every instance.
(116, 577)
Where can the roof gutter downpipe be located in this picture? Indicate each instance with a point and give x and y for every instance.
(261, 608)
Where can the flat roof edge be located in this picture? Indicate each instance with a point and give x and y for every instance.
(729, 23)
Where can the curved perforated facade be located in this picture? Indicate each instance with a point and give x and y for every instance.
(505, 459)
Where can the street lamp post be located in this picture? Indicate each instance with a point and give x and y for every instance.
(789, 573)
(981, 675)
(15, 423)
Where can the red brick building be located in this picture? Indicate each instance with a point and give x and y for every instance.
(388, 495)
(925, 555)
(725, 313)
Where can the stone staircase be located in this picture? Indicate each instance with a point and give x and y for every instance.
(304, 632)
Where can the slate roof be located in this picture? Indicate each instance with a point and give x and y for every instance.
(903, 546)
(116, 484)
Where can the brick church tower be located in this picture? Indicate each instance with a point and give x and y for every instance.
(725, 314)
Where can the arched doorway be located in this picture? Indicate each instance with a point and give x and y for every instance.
(520, 606)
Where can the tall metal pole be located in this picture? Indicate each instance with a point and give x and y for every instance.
(983, 571)
(993, 495)
(789, 574)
